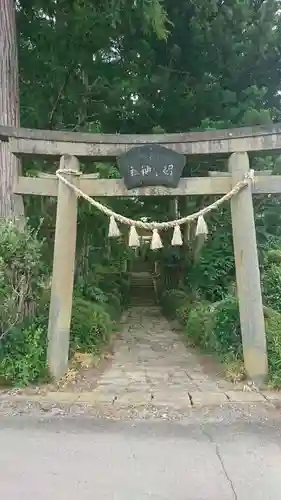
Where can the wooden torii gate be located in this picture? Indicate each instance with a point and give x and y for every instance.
(70, 146)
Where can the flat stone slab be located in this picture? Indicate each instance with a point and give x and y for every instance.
(273, 396)
(245, 397)
(199, 398)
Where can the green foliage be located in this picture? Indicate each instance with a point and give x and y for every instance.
(23, 354)
(273, 333)
(217, 328)
(24, 301)
(113, 306)
(23, 286)
(226, 330)
(271, 286)
(171, 301)
(22, 275)
(91, 326)
(271, 276)
(97, 32)
(93, 293)
(274, 256)
(199, 326)
(214, 270)
(104, 282)
(183, 311)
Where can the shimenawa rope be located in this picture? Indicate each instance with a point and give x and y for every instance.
(154, 226)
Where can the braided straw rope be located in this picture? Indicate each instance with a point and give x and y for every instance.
(249, 177)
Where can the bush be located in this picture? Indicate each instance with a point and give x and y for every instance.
(23, 286)
(273, 333)
(101, 283)
(109, 301)
(273, 256)
(23, 351)
(113, 306)
(182, 312)
(271, 287)
(24, 304)
(23, 355)
(22, 275)
(171, 301)
(91, 326)
(199, 326)
(217, 327)
(226, 327)
(214, 270)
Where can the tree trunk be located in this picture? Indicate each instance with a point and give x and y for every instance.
(11, 206)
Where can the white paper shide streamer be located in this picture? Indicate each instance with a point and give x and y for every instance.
(177, 236)
(201, 227)
(113, 230)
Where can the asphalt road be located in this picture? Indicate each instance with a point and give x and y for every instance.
(84, 458)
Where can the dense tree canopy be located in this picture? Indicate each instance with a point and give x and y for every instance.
(121, 65)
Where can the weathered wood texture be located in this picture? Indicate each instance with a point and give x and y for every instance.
(63, 273)
(11, 205)
(258, 173)
(65, 136)
(55, 143)
(26, 147)
(247, 274)
(48, 186)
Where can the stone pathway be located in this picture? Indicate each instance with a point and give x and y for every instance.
(152, 375)
(152, 365)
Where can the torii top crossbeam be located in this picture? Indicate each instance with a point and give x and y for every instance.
(55, 143)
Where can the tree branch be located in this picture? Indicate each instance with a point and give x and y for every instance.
(59, 96)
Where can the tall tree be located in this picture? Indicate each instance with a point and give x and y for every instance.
(10, 205)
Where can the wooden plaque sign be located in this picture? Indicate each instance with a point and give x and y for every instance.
(151, 165)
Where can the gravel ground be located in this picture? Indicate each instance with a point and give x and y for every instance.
(47, 409)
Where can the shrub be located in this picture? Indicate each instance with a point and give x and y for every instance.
(23, 354)
(101, 283)
(23, 286)
(91, 326)
(214, 270)
(94, 293)
(183, 311)
(216, 327)
(111, 302)
(226, 327)
(271, 286)
(24, 304)
(220, 325)
(171, 301)
(22, 274)
(113, 306)
(273, 256)
(199, 326)
(23, 351)
(273, 333)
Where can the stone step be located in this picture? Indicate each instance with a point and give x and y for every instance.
(142, 297)
(142, 291)
(135, 301)
(141, 282)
